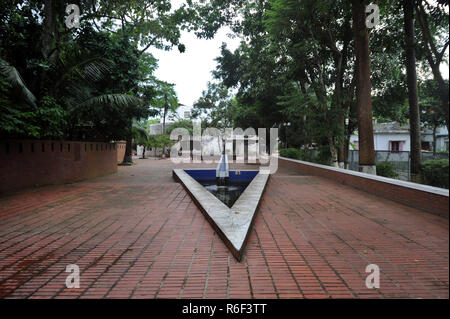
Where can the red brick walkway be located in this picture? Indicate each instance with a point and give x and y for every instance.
(137, 234)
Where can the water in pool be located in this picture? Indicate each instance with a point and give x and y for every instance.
(227, 194)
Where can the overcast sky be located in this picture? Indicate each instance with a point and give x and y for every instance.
(190, 71)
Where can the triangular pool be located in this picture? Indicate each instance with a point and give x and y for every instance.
(231, 218)
(228, 194)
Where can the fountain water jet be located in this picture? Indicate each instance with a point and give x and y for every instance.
(223, 169)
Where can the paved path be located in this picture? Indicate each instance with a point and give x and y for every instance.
(137, 234)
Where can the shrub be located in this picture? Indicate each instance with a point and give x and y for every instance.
(435, 172)
(386, 169)
(290, 153)
(323, 155)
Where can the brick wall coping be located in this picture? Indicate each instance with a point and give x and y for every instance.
(420, 187)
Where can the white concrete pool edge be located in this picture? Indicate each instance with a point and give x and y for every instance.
(233, 223)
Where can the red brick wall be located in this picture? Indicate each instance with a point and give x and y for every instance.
(121, 148)
(30, 163)
(427, 201)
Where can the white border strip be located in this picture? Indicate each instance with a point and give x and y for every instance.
(234, 227)
(396, 182)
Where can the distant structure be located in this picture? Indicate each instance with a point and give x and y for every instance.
(395, 137)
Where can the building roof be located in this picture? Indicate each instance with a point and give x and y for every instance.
(389, 128)
(395, 128)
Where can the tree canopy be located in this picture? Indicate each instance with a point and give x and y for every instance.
(295, 67)
(89, 82)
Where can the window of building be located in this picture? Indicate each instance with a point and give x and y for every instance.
(396, 146)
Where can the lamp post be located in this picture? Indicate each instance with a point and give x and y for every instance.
(286, 125)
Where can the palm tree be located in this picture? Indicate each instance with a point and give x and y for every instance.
(142, 136)
(15, 80)
(166, 100)
(73, 79)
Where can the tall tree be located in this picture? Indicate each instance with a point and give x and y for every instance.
(433, 22)
(414, 113)
(216, 106)
(431, 114)
(318, 45)
(165, 100)
(363, 88)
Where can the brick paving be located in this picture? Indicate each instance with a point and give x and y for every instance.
(137, 234)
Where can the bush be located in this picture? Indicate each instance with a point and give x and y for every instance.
(435, 172)
(290, 153)
(386, 169)
(323, 155)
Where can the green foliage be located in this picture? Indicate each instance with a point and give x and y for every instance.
(51, 119)
(323, 156)
(216, 107)
(140, 133)
(165, 98)
(182, 123)
(391, 104)
(10, 74)
(80, 93)
(435, 172)
(19, 121)
(143, 137)
(57, 82)
(164, 141)
(291, 153)
(431, 114)
(297, 66)
(386, 169)
(159, 141)
(320, 156)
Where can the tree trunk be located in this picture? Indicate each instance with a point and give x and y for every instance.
(434, 140)
(363, 88)
(143, 152)
(342, 136)
(164, 120)
(414, 113)
(47, 42)
(334, 155)
(128, 158)
(47, 32)
(346, 150)
(164, 126)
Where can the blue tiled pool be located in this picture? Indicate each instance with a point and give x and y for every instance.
(238, 182)
(210, 175)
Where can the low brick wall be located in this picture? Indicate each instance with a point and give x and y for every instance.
(121, 148)
(29, 163)
(427, 198)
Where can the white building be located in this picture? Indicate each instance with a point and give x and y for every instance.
(395, 137)
(183, 111)
(442, 139)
